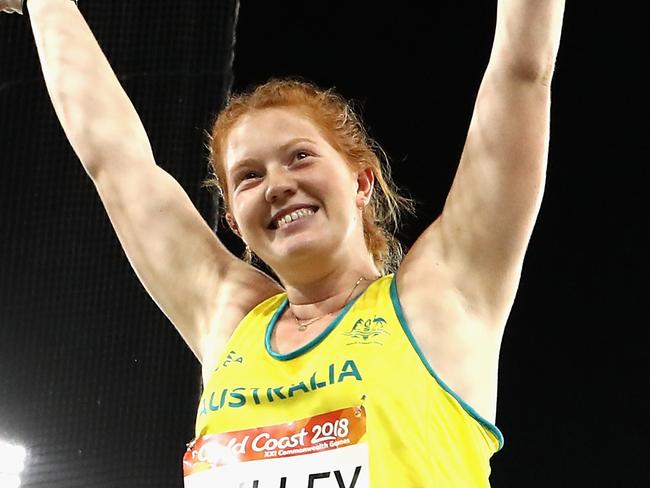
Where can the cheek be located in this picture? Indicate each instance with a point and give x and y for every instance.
(340, 207)
(242, 209)
(334, 184)
(341, 190)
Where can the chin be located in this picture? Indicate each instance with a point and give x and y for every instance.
(302, 249)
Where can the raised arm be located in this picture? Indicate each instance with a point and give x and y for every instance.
(493, 204)
(93, 109)
(482, 235)
(190, 275)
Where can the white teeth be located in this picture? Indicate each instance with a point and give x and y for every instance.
(303, 212)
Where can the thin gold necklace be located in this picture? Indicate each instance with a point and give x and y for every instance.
(303, 324)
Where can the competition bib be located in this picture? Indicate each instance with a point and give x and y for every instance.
(315, 452)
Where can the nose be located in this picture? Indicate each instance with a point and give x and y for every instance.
(280, 185)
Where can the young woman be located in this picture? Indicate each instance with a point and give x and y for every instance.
(357, 368)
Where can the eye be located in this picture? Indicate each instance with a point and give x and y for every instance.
(301, 154)
(246, 176)
(249, 175)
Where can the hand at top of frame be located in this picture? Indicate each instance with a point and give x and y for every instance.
(11, 6)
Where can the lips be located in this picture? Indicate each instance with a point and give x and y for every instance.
(286, 211)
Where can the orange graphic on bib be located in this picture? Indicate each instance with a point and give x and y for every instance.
(325, 432)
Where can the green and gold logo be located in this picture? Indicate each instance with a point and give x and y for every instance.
(367, 331)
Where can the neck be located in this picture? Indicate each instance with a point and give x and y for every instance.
(330, 292)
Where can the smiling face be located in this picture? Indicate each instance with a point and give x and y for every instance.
(292, 197)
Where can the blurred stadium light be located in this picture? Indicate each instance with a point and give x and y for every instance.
(12, 461)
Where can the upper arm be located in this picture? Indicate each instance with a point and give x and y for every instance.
(492, 206)
(488, 217)
(181, 263)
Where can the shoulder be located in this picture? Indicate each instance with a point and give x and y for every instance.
(433, 270)
(455, 339)
(243, 288)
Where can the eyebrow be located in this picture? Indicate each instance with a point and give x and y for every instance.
(283, 147)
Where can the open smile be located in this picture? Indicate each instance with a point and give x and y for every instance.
(292, 219)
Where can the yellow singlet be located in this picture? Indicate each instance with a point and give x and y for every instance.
(357, 407)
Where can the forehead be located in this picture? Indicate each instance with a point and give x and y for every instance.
(261, 132)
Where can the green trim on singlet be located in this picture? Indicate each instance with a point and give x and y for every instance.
(310, 345)
(473, 413)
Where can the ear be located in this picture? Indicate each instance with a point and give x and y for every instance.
(233, 224)
(365, 185)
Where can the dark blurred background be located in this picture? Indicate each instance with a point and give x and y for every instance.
(97, 384)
